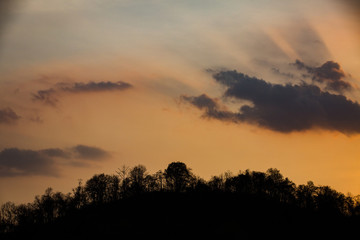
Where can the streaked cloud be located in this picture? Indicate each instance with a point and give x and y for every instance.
(283, 108)
(46, 162)
(95, 87)
(50, 96)
(298, 39)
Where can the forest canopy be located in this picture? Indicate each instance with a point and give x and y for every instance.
(269, 187)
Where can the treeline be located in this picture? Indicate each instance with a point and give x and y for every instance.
(103, 189)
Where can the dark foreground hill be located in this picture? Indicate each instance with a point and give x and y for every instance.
(177, 205)
(182, 215)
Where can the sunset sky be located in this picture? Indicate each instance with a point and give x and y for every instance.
(87, 86)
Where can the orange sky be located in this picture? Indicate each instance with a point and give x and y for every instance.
(163, 51)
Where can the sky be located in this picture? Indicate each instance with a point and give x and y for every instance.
(87, 86)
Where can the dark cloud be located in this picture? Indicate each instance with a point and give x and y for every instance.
(86, 152)
(202, 102)
(47, 96)
(46, 162)
(329, 73)
(8, 116)
(18, 162)
(96, 86)
(50, 96)
(282, 108)
(211, 106)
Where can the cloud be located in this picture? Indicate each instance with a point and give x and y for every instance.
(50, 96)
(284, 74)
(46, 162)
(56, 152)
(202, 102)
(47, 96)
(18, 162)
(8, 116)
(330, 73)
(282, 108)
(91, 153)
(212, 107)
(96, 87)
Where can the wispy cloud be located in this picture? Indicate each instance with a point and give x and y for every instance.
(284, 74)
(50, 96)
(282, 108)
(46, 162)
(8, 116)
(47, 96)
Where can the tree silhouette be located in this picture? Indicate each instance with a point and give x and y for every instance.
(217, 183)
(79, 196)
(123, 173)
(177, 176)
(102, 188)
(155, 182)
(137, 177)
(8, 217)
(330, 201)
(305, 195)
(135, 202)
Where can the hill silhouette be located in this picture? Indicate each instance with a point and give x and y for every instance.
(175, 203)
